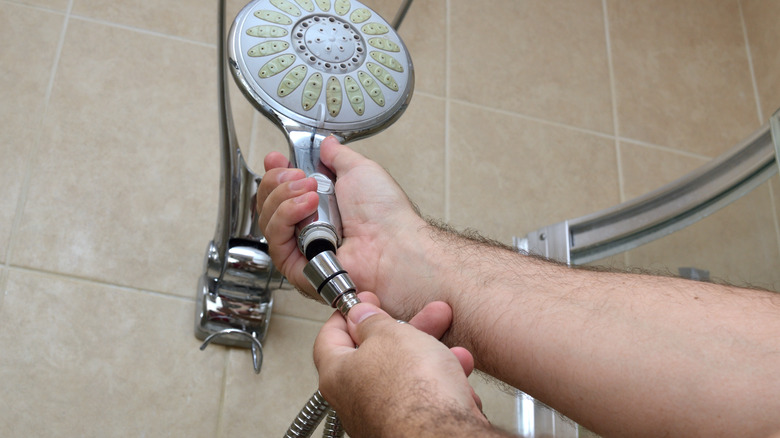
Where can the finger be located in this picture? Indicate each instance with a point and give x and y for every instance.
(477, 400)
(465, 358)
(275, 160)
(364, 318)
(273, 177)
(435, 318)
(368, 297)
(276, 186)
(289, 204)
(338, 157)
(332, 340)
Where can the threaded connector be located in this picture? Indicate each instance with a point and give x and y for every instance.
(331, 281)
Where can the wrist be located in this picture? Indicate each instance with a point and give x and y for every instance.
(423, 417)
(410, 269)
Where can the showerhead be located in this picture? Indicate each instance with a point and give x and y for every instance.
(319, 68)
(335, 66)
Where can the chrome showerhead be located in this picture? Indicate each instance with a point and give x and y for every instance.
(335, 66)
(319, 68)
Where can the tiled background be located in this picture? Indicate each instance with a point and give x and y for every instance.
(525, 113)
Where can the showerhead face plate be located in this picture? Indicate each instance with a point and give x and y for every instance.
(326, 64)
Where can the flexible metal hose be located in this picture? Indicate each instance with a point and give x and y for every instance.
(309, 417)
(333, 428)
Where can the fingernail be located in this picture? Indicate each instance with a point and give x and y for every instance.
(362, 311)
(298, 184)
(301, 199)
(287, 175)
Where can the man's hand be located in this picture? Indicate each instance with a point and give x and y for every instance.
(401, 381)
(376, 218)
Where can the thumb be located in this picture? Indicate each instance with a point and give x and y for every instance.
(337, 157)
(364, 319)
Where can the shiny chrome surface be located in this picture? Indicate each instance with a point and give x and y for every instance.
(235, 294)
(235, 291)
(309, 417)
(274, 48)
(305, 155)
(334, 47)
(329, 278)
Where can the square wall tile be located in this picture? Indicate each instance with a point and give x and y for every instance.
(83, 359)
(541, 59)
(265, 404)
(423, 31)
(682, 74)
(386, 8)
(646, 169)
(737, 244)
(412, 150)
(23, 91)
(194, 20)
(55, 5)
(761, 18)
(510, 176)
(290, 302)
(125, 187)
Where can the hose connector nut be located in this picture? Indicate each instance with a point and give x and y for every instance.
(331, 281)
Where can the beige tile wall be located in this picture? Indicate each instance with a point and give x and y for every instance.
(525, 113)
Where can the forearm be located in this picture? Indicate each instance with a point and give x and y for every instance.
(421, 420)
(643, 355)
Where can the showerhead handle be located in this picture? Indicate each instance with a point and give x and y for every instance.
(321, 231)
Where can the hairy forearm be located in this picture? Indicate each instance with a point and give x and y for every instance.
(620, 353)
(424, 421)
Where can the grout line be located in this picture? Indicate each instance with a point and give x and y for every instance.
(29, 158)
(582, 130)
(3, 284)
(447, 112)
(750, 65)
(532, 118)
(430, 95)
(143, 31)
(615, 118)
(68, 14)
(664, 148)
(100, 283)
(613, 93)
(36, 7)
(57, 55)
(223, 394)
